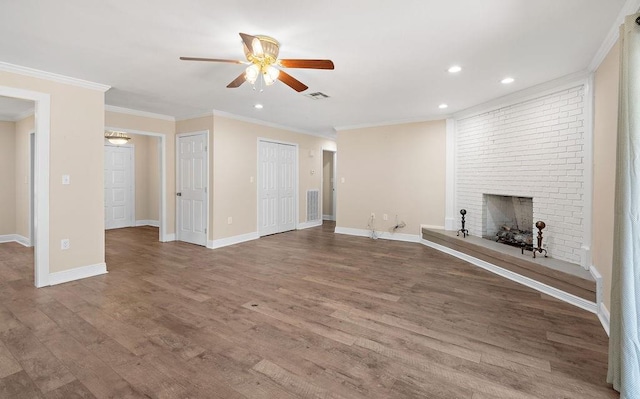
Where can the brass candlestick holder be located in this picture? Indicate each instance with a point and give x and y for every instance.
(540, 225)
(464, 231)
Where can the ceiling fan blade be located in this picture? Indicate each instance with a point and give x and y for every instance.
(311, 64)
(248, 41)
(212, 60)
(292, 82)
(237, 81)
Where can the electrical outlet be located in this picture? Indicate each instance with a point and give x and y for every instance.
(65, 244)
(229, 220)
(385, 216)
(373, 215)
(251, 179)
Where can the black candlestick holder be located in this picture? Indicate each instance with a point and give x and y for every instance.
(540, 225)
(464, 231)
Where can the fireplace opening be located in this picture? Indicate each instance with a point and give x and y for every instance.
(508, 219)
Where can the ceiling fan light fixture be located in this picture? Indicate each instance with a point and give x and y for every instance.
(116, 138)
(270, 75)
(251, 73)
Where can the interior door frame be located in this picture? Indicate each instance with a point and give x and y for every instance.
(208, 188)
(41, 176)
(32, 181)
(163, 236)
(296, 179)
(132, 188)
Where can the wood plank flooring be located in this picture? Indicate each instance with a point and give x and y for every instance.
(305, 314)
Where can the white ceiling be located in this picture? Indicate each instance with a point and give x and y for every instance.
(14, 109)
(391, 57)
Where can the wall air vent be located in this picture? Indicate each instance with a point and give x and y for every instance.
(317, 95)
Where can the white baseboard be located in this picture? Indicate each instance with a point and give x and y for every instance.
(306, 225)
(328, 217)
(152, 223)
(225, 242)
(384, 235)
(508, 274)
(15, 238)
(603, 315)
(23, 240)
(603, 312)
(77, 273)
(169, 237)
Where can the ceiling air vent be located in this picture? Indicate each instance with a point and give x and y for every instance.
(317, 95)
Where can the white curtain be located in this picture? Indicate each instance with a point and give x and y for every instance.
(624, 342)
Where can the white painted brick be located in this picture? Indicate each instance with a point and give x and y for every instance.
(530, 149)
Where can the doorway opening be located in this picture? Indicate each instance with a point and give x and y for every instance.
(329, 185)
(36, 227)
(143, 202)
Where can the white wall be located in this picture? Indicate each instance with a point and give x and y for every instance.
(530, 149)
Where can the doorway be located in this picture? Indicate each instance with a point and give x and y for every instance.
(328, 185)
(277, 187)
(158, 164)
(42, 107)
(192, 203)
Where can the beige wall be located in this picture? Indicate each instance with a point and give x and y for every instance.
(76, 210)
(397, 170)
(604, 165)
(167, 128)
(147, 177)
(24, 128)
(235, 162)
(327, 175)
(7, 178)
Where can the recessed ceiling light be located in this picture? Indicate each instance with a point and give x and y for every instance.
(455, 69)
(506, 81)
(443, 106)
(258, 106)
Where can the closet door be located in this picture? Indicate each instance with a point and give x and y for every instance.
(286, 188)
(276, 188)
(267, 188)
(118, 187)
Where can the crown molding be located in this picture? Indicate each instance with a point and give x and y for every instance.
(552, 86)
(54, 77)
(135, 112)
(629, 7)
(331, 136)
(392, 123)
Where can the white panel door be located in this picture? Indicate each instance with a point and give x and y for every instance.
(268, 188)
(192, 189)
(286, 187)
(276, 188)
(118, 187)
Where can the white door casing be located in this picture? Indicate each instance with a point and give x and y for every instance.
(277, 187)
(119, 201)
(192, 196)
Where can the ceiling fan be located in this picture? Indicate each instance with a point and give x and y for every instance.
(262, 57)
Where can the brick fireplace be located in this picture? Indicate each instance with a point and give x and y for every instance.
(532, 150)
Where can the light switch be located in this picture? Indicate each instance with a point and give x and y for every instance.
(66, 179)
(342, 180)
(251, 179)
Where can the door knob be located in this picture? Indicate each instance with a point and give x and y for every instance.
(179, 194)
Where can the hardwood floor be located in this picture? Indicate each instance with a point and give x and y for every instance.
(305, 314)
